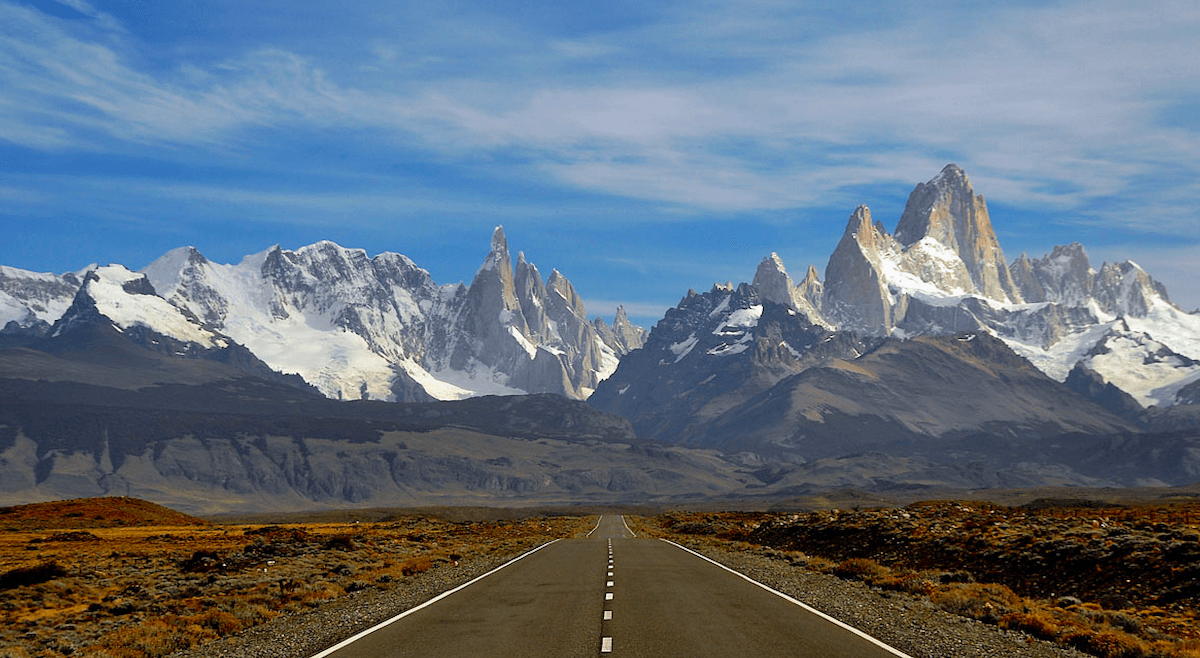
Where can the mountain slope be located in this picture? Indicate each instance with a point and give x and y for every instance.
(105, 339)
(775, 369)
(95, 409)
(905, 393)
(32, 300)
(711, 353)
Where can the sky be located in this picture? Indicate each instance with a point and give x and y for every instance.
(640, 148)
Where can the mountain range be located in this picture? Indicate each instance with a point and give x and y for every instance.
(92, 409)
(379, 327)
(324, 376)
(1111, 335)
(943, 271)
(924, 342)
(353, 326)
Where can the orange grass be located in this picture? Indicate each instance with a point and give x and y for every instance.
(130, 591)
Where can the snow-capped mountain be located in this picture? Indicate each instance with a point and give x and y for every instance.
(915, 339)
(713, 352)
(943, 271)
(128, 301)
(379, 327)
(32, 301)
(351, 325)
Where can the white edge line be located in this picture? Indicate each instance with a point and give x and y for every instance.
(807, 607)
(589, 534)
(439, 597)
(631, 533)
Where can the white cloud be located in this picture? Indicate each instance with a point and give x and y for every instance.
(1050, 108)
(102, 20)
(576, 49)
(1047, 107)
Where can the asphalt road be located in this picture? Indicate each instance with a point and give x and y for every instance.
(612, 594)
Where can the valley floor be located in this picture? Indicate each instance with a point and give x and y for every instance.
(89, 578)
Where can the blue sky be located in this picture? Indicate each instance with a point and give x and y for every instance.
(640, 148)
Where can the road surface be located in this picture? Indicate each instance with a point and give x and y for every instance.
(614, 594)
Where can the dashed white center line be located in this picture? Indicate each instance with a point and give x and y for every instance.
(606, 641)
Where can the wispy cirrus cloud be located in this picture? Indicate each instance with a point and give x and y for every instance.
(1055, 107)
(1080, 115)
(712, 107)
(101, 19)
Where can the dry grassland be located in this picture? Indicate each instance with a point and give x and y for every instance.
(117, 578)
(1116, 582)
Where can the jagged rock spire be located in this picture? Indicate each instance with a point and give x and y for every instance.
(812, 289)
(855, 291)
(773, 282)
(491, 308)
(946, 209)
(775, 285)
(531, 293)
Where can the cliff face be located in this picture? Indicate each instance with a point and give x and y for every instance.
(944, 245)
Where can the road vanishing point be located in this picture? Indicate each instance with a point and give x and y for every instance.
(611, 593)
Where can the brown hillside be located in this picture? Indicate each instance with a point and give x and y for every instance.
(112, 512)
